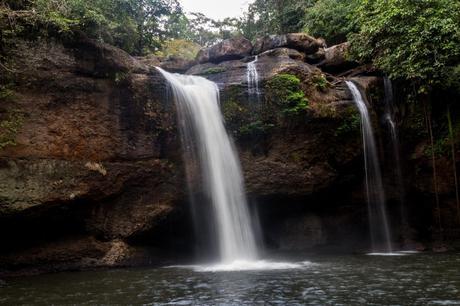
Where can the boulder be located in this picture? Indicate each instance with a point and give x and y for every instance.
(229, 49)
(298, 41)
(268, 64)
(336, 59)
(100, 59)
(176, 64)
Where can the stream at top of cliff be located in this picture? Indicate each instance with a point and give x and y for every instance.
(416, 279)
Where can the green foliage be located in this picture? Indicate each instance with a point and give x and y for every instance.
(9, 127)
(206, 31)
(255, 129)
(453, 78)
(351, 124)
(213, 70)
(331, 19)
(417, 41)
(232, 111)
(179, 48)
(284, 90)
(440, 148)
(446, 135)
(273, 17)
(320, 82)
(137, 26)
(6, 92)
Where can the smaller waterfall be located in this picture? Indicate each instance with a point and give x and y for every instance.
(378, 220)
(253, 78)
(389, 117)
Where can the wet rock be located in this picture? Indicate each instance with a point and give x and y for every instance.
(270, 63)
(336, 59)
(316, 57)
(298, 41)
(100, 59)
(301, 233)
(176, 64)
(229, 49)
(96, 139)
(281, 162)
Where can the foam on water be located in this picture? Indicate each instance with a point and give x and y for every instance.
(246, 265)
(409, 252)
(388, 254)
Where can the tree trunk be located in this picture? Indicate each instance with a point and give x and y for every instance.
(433, 161)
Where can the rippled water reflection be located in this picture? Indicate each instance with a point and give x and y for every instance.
(422, 279)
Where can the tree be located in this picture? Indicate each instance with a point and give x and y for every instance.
(332, 20)
(274, 17)
(137, 26)
(411, 40)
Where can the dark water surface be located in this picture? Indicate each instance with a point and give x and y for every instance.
(421, 279)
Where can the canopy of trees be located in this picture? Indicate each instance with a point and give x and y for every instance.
(412, 40)
(417, 41)
(137, 26)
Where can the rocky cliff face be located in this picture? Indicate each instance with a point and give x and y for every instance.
(90, 160)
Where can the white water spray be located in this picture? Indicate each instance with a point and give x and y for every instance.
(202, 125)
(380, 231)
(253, 78)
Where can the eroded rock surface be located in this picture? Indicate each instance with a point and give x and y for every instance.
(229, 49)
(93, 174)
(297, 41)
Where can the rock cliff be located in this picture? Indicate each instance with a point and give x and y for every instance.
(91, 171)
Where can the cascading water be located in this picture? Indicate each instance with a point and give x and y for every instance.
(253, 78)
(389, 117)
(378, 221)
(203, 131)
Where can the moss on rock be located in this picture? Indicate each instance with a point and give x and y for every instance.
(9, 128)
(284, 91)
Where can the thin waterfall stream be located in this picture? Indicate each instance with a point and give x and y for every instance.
(253, 78)
(389, 117)
(378, 220)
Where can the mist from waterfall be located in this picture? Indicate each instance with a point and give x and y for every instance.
(253, 78)
(378, 220)
(203, 133)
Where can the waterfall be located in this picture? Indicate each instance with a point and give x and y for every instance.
(378, 221)
(253, 78)
(389, 117)
(203, 132)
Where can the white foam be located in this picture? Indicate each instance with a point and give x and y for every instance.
(387, 254)
(246, 265)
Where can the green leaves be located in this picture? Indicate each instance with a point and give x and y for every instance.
(331, 19)
(284, 90)
(417, 41)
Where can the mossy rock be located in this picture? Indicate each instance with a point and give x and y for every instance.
(213, 70)
(320, 82)
(284, 91)
(9, 128)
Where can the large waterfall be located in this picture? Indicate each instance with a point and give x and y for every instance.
(203, 131)
(378, 220)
